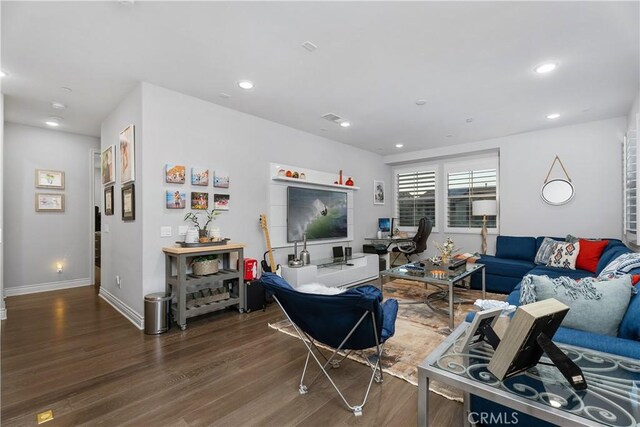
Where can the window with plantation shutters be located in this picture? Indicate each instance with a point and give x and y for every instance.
(465, 187)
(415, 197)
(630, 181)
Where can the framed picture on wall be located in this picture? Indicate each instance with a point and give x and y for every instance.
(49, 202)
(200, 176)
(49, 179)
(175, 199)
(127, 155)
(128, 203)
(108, 165)
(108, 200)
(378, 192)
(199, 200)
(174, 174)
(221, 179)
(221, 202)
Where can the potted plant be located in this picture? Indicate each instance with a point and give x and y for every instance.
(193, 217)
(206, 264)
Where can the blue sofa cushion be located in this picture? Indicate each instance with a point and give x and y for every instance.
(505, 267)
(604, 343)
(553, 272)
(630, 325)
(514, 247)
(614, 249)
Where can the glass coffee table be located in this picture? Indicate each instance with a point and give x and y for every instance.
(440, 276)
(611, 397)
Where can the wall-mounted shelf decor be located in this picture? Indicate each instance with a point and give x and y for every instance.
(310, 182)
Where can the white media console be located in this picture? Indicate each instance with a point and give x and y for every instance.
(358, 269)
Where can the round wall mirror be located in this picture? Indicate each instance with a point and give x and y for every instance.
(557, 192)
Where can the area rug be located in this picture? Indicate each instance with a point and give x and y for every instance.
(419, 330)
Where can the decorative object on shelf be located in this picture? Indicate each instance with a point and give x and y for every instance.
(195, 220)
(175, 199)
(221, 180)
(295, 262)
(199, 200)
(49, 202)
(192, 235)
(446, 250)
(288, 174)
(295, 175)
(108, 200)
(127, 155)
(282, 173)
(174, 174)
(484, 208)
(304, 254)
(204, 265)
(128, 194)
(200, 176)
(49, 179)
(557, 191)
(340, 180)
(108, 165)
(303, 175)
(378, 192)
(349, 182)
(221, 202)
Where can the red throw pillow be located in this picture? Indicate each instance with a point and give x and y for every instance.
(589, 254)
(635, 279)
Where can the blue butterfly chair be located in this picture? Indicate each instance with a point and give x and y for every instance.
(353, 320)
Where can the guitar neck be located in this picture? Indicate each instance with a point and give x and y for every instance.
(272, 262)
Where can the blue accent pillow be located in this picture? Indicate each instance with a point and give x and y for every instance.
(513, 247)
(594, 306)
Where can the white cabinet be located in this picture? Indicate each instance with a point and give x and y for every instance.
(359, 269)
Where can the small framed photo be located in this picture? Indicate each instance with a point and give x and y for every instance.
(128, 202)
(476, 332)
(221, 180)
(108, 163)
(378, 192)
(49, 179)
(175, 199)
(199, 201)
(127, 155)
(49, 202)
(200, 176)
(108, 200)
(221, 202)
(174, 174)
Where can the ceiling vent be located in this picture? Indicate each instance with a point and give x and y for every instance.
(309, 46)
(333, 118)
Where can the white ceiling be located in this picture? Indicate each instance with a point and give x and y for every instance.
(374, 60)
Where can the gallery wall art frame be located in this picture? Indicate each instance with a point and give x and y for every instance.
(128, 195)
(175, 199)
(174, 174)
(200, 176)
(199, 200)
(108, 165)
(127, 155)
(108, 200)
(51, 179)
(221, 202)
(378, 192)
(49, 202)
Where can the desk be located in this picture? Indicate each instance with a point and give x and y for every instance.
(388, 240)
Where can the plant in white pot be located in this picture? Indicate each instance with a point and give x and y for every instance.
(202, 231)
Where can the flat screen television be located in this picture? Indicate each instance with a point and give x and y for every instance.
(322, 214)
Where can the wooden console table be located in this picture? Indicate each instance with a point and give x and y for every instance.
(179, 283)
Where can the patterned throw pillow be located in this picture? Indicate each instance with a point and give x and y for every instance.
(544, 253)
(621, 265)
(564, 255)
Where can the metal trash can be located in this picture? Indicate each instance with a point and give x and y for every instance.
(156, 313)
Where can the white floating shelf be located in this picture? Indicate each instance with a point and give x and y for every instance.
(310, 182)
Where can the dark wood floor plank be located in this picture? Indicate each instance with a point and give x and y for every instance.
(72, 352)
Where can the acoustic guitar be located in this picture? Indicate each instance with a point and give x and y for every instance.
(271, 265)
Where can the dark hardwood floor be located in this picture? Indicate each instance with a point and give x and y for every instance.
(71, 352)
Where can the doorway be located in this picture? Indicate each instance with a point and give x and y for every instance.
(96, 218)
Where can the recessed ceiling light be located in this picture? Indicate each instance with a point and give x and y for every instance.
(245, 84)
(421, 101)
(58, 105)
(345, 124)
(553, 116)
(546, 68)
(399, 145)
(53, 121)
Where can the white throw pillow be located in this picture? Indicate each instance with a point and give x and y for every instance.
(319, 289)
(564, 255)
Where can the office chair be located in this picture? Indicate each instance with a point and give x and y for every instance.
(418, 244)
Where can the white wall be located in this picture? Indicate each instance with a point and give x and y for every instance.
(121, 248)
(40, 240)
(3, 310)
(591, 152)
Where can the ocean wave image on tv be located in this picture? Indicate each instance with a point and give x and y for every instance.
(321, 214)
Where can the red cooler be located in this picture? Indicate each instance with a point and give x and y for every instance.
(250, 269)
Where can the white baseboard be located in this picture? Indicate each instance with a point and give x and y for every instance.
(3, 314)
(130, 314)
(45, 287)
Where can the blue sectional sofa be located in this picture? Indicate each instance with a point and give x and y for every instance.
(514, 259)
